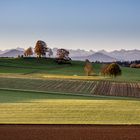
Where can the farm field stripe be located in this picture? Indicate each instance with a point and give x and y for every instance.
(75, 87)
(61, 93)
(48, 92)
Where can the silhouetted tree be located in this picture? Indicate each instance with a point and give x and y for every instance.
(41, 48)
(63, 56)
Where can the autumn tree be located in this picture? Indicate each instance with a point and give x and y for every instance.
(28, 52)
(104, 71)
(112, 69)
(41, 48)
(88, 68)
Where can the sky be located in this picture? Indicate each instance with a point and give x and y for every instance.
(71, 24)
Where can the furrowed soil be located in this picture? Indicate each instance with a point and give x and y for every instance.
(105, 88)
(69, 132)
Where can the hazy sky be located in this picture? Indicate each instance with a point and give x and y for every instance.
(75, 24)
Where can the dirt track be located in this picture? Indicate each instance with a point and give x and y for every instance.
(69, 132)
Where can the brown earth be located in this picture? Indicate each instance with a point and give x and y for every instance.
(69, 132)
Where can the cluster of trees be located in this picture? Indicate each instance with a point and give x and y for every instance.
(112, 69)
(131, 64)
(41, 49)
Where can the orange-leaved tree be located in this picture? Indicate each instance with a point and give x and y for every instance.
(28, 52)
(41, 48)
(104, 69)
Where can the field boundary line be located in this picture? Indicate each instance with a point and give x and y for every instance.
(61, 93)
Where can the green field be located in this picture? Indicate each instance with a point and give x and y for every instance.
(39, 108)
(39, 91)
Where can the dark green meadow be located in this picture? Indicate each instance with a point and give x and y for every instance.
(27, 66)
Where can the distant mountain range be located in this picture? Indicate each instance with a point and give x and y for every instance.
(102, 55)
(127, 55)
(96, 57)
(75, 53)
